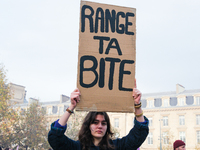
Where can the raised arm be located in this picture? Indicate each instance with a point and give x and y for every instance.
(56, 137)
(139, 132)
(75, 98)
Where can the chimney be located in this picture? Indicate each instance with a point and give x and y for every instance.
(179, 88)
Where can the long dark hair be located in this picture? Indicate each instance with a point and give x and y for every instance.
(85, 136)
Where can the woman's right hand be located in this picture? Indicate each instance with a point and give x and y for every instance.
(75, 97)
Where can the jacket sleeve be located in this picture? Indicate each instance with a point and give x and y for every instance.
(59, 141)
(135, 137)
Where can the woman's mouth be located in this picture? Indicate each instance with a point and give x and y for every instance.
(99, 131)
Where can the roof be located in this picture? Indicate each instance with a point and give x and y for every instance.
(170, 94)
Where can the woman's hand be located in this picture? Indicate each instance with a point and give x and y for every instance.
(136, 94)
(138, 110)
(75, 97)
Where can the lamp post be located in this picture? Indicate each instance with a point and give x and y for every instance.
(160, 135)
(160, 126)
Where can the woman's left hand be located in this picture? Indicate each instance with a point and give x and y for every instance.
(136, 94)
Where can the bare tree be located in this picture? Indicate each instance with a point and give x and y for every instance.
(33, 128)
(9, 119)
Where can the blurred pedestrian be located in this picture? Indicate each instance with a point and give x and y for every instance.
(179, 145)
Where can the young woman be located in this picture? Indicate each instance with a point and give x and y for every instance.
(95, 133)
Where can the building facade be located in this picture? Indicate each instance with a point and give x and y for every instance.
(172, 115)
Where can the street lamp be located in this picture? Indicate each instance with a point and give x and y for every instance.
(160, 135)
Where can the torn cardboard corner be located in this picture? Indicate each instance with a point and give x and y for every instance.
(106, 59)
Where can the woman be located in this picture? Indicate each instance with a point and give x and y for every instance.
(95, 133)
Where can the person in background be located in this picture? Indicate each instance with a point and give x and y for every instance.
(179, 145)
(95, 133)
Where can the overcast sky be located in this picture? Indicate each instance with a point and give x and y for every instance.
(39, 44)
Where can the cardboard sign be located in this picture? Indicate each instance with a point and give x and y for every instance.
(106, 60)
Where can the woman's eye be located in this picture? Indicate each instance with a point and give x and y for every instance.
(95, 122)
(104, 123)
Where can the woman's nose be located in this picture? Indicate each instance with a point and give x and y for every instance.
(99, 125)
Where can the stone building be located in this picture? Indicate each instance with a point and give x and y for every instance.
(18, 93)
(172, 115)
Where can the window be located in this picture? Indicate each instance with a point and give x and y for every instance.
(181, 120)
(150, 138)
(165, 138)
(151, 104)
(150, 121)
(166, 102)
(198, 100)
(55, 109)
(44, 109)
(198, 119)
(60, 110)
(49, 110)
(182, 136)
(165, 121)
(198, 137)
(181, 101)
(116, 122)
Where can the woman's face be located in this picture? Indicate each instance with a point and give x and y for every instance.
(99, 127)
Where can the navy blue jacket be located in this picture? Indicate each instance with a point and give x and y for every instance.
(132, 141)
